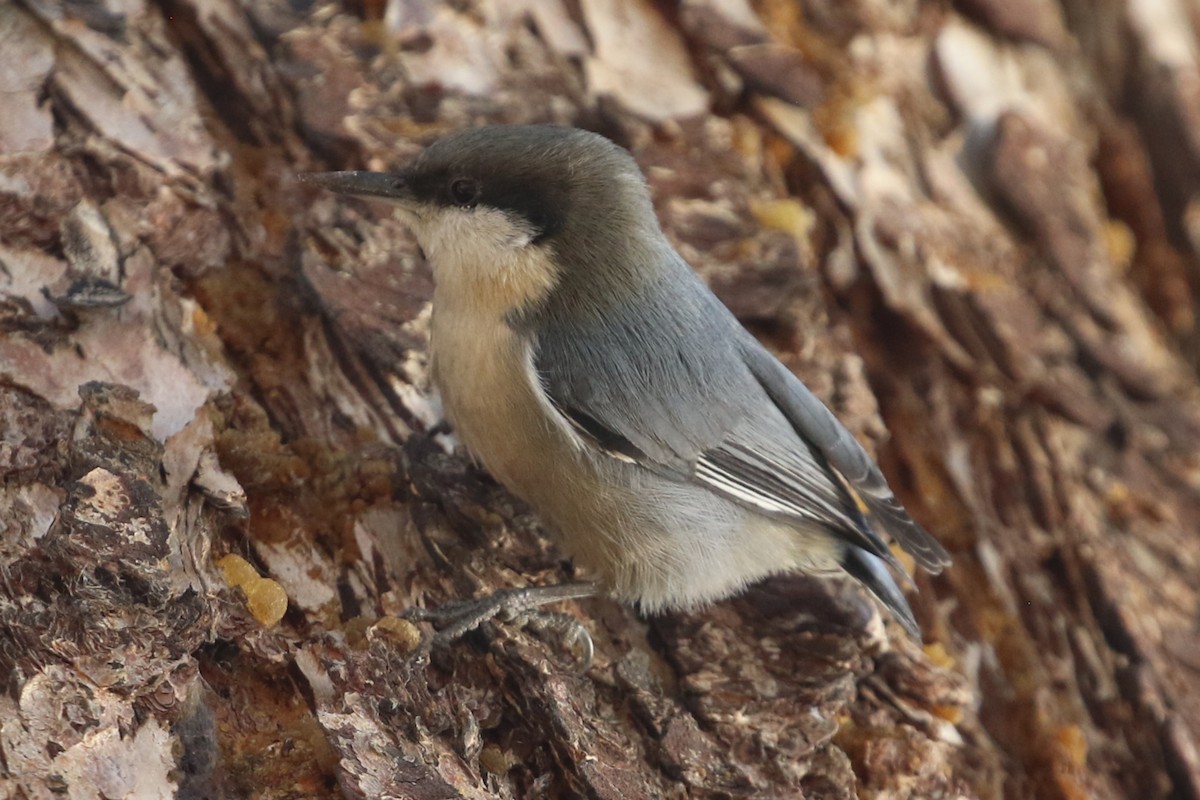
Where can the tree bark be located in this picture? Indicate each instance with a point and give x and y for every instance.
(971, 228)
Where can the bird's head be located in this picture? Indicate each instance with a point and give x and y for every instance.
(511, 209)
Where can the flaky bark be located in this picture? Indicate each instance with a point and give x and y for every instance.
(971, 228)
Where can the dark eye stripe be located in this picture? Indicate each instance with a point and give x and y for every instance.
(542, 202)
(464, 191)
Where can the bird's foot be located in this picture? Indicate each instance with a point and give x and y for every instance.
(452, 620)
(567, 631)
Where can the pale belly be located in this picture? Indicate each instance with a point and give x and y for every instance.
(664, 543)
(486, 381)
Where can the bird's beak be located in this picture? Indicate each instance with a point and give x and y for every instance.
(391, 186)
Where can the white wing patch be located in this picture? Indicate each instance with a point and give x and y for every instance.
(774, 487)
(789, 483)
(730, 485)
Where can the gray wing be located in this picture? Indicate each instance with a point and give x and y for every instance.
(627, 380)
(818, 426)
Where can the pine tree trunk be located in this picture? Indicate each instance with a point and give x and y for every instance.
(971, 228)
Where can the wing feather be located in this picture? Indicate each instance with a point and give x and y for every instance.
(816, 424)
(627, 386)
(785, 479)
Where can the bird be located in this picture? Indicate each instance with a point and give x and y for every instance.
(591, 371)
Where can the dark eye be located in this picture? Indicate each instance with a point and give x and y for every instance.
(464, 191)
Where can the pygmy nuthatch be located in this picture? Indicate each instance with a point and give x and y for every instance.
(589, 369)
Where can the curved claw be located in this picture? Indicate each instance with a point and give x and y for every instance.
(571, 632)
(584, 637)
(457, 618)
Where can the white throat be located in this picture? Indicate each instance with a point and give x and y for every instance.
(483, 260)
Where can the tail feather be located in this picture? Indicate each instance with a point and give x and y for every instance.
(872, 572)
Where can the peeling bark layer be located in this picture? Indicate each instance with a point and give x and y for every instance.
(971, 227)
